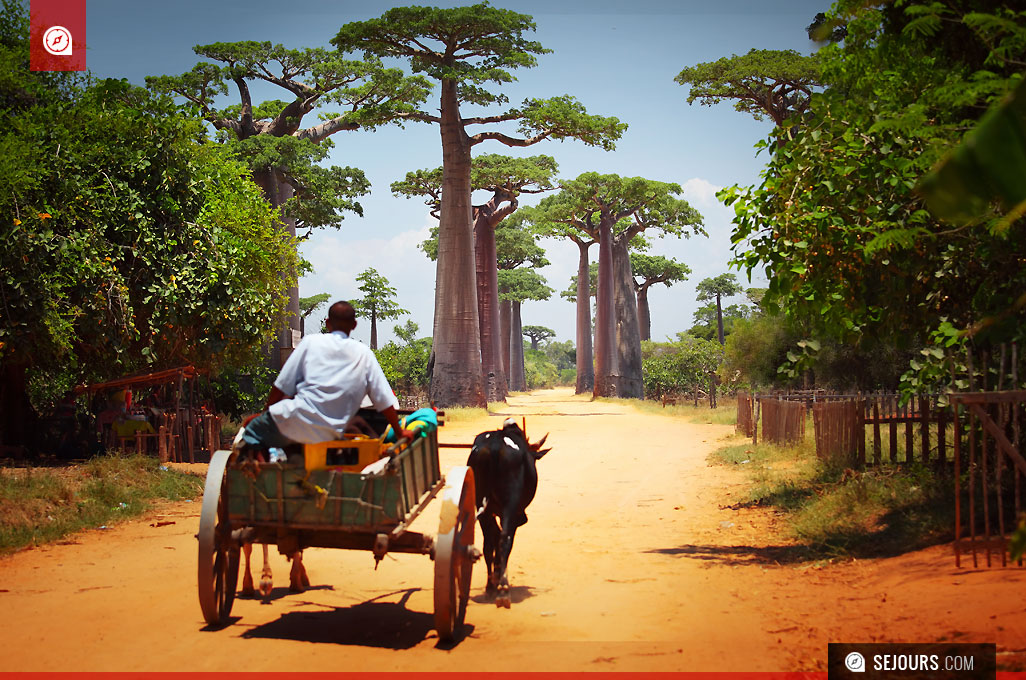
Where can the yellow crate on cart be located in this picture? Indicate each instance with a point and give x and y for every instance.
(349, 455)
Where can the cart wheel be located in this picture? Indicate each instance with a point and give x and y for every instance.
(453, 564)
(218, 556)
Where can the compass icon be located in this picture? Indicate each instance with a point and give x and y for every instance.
(57, 41)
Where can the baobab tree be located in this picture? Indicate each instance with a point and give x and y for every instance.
(506, 178)
(269, 136)
(537, 334)
(613, 211)
(465, 49)
(517, 286)
(378, 301)
(653, 269)
(763, 83)
(717, 288)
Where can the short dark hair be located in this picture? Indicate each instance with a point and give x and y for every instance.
(342, 313)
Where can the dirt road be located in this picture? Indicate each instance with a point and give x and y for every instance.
(632, 560)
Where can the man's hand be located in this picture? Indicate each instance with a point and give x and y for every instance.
(403, 433)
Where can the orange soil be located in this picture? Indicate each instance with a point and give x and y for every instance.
(632, 560)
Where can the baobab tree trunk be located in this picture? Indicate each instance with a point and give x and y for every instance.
(644, 313)
(585, 365)
(719, 319)
(517, 382)
(505, 333)
(456, 378)
(374, 330)
(605, 349)
(277, 191)
(628, 331)
(488, 306)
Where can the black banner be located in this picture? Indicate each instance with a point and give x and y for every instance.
(906, 661)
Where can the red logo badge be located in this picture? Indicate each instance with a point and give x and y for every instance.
(58, 35)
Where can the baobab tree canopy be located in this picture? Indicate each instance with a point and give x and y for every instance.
(468, 49)
(774, 83)
(269, 136)
(614, 211)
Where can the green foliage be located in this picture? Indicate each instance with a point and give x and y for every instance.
(676, 367)
(848, 248)
(519, 285)
(774, 83)
(705, 320)
(378, 301)
(308, 305)
(538, 334)
(653, 269)
(406, 365)
(133, 244)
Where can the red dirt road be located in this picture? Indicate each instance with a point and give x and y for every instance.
(632, 560)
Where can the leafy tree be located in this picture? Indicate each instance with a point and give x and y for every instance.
(127, 244)
(308, 305)
(465, 49)
(653, 269)
(538, 334)
(676, 367)
(613, 211)
(717, 288)
(773, 83)
(506, 178)
(407, 332)
(378, 301)
(848, 248)
(517, 286)
(708, 319)
(283, 155)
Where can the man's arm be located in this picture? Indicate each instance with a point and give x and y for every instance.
(393, 420)
(275, 396)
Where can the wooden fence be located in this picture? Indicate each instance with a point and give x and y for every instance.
(838, 430)
(989, 459)
(747, 414)
(783, 422)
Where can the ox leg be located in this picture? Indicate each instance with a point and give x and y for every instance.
(490, 530)
(298, 581)
(266, 582)
(509, 530)
(247, 575)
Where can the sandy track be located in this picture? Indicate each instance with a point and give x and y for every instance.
(632, 560)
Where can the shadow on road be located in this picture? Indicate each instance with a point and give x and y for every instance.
(740, 554)
(387, 625)
(517, 594)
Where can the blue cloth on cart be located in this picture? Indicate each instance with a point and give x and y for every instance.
(421, 421)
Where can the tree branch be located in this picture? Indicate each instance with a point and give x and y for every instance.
(507, 140)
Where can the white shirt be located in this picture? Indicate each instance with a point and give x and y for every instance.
(328, 375)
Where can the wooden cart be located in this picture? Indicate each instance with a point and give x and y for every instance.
(338, 507)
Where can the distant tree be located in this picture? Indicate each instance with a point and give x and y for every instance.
(653, 269)
(407, 332)
(516, 246)
(717, 288)
(707, 323)
(378, 301)
(506, 178)
(613, 211)
(269, 136)
(308, 305)
(466, 49)
(517, 286)
(538, 334)
(773, 83)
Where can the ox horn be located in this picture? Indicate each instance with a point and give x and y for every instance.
(536, 447)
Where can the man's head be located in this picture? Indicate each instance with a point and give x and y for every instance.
(341, 317)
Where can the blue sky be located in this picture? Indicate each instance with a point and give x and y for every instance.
(619, 58)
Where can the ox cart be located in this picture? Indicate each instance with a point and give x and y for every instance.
(329, 500)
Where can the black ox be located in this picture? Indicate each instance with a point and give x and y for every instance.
(505, 480)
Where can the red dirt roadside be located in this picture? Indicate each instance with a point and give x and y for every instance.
(632, 560)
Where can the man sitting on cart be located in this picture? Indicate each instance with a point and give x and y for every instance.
(320, 388)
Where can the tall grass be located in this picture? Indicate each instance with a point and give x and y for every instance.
(834, 511)
(39, 505)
